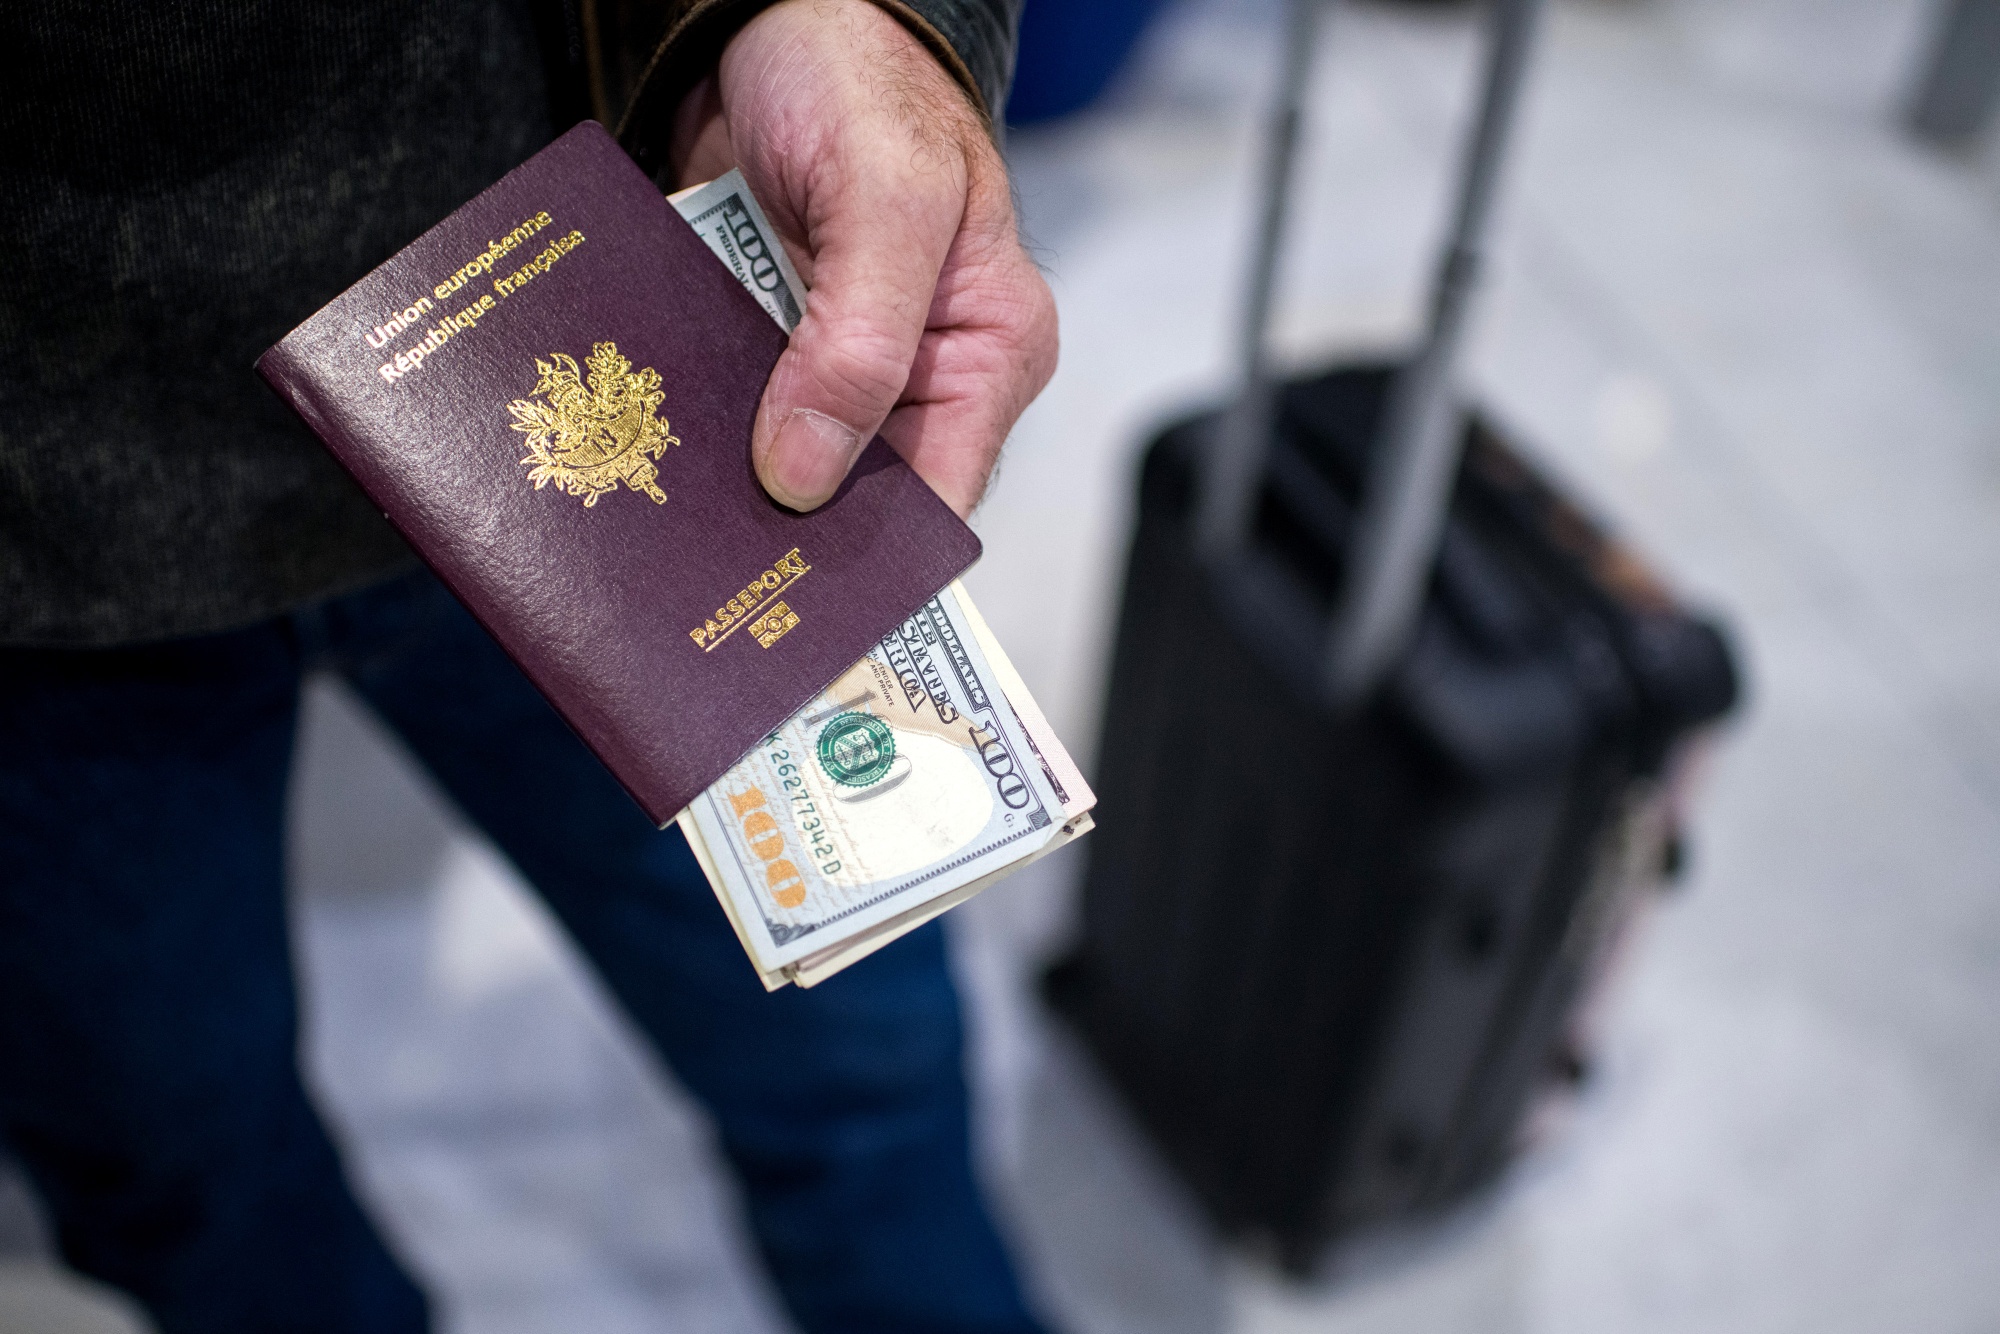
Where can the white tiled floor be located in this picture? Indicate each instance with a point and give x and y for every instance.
(1743, 318)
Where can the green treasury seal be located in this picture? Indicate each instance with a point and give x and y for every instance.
(856, 749)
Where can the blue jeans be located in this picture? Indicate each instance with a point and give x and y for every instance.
(148, 1023)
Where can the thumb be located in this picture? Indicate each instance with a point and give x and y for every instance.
(875, 275)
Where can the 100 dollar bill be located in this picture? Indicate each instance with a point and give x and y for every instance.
(921, 776)
(725, 215)
(904, 781)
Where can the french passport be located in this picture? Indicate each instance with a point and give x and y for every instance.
(550, 395)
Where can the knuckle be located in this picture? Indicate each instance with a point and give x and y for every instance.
(1033, 323)
(859, 364)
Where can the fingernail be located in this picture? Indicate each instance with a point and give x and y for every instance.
(808, 460)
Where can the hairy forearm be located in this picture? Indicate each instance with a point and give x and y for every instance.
(654, 55)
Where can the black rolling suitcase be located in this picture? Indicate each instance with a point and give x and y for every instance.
(1379, 779)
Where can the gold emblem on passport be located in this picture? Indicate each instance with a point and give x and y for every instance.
(757, 606)
(590, 430)
(771, 626)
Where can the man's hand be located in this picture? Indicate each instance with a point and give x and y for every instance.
(926, 322)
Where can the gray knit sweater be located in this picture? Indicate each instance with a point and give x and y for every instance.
(184, 181)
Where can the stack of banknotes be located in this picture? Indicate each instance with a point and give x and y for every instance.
(921, 776)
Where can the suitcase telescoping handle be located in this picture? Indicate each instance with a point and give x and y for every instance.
(1414, 461)
(1235, 464)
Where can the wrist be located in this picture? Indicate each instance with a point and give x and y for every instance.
(943, 51)
(667, 95)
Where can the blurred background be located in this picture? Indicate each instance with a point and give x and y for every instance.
(1742, 310)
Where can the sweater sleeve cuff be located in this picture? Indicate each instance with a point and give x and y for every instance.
(692, 47)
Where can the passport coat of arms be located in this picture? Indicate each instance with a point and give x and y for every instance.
(589, 429)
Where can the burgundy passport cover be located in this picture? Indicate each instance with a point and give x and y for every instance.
(550, 394)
